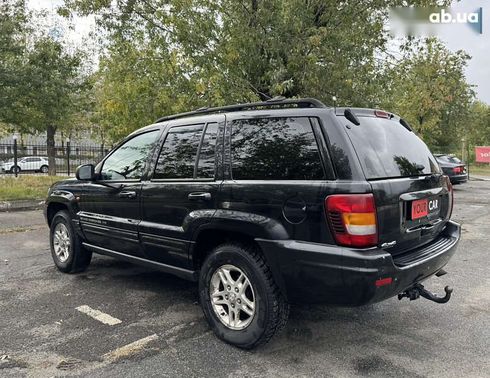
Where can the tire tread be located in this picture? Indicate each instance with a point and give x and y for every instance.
(279, 313)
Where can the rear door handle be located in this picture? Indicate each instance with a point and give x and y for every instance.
(199, 196)
(127, 194)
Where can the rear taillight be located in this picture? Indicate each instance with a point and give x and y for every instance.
(352, 219)
(458, 170)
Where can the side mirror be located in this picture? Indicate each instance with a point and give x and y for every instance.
(85, 172)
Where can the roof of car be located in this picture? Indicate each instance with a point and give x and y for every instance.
(273, 103)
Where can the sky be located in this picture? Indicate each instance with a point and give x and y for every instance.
(456, 37)
(477, 45)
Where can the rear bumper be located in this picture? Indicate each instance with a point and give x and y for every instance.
(318, 273)
(455, 179)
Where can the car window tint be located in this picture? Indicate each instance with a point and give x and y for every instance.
(206, 164)
(275, 149)
(128, 161)
(178, 155)
(387, 149)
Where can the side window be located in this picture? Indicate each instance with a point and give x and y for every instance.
(206, 164)
(128, 161)
(275, 149)
(178, 155)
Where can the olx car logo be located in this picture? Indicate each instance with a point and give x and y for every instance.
(474, 19)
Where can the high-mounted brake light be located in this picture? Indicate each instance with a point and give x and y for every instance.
(352, 219)
(382, 114)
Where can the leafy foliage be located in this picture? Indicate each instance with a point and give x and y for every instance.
(428, 88)
(169, 56)
(40, 80)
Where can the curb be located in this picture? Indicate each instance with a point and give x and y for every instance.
(21, 205)
(479, 178)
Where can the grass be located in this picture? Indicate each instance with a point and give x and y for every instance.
(480, 169)
(25, 187)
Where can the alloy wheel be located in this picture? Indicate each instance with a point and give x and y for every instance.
(61, 242)
(232, 297)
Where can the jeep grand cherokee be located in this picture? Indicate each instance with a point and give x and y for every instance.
(265, 204)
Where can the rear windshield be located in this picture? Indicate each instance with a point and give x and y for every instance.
(448, 159)
(387, 149)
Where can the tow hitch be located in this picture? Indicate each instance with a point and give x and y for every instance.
(418, 290)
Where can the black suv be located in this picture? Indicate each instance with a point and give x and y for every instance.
(265, 204)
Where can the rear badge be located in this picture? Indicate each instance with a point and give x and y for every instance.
(389, 244)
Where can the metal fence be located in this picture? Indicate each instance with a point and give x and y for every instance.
(33, 158)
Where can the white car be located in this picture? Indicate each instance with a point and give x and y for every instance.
(28, 163)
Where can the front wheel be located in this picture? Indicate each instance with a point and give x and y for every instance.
(15, 169)
(239, 297)
(67, 251)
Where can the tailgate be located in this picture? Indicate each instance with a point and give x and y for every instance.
(411, 211)
(412, 197)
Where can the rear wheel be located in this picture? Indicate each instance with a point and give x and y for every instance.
(67, 251)
(44, 169)
(239, 297)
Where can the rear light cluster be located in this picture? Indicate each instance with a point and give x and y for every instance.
(352, 218)
(458, 170)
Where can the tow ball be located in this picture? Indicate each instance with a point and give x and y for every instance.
(418, 290)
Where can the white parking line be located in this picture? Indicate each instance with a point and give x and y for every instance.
(99, 315)
(129, 349)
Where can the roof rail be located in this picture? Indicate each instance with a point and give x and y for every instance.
(273, 103)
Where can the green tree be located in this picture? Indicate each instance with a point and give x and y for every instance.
(429, 89)
(478, 129)
(13, 31)
(167, 56)
(40, 80)
(53, 85)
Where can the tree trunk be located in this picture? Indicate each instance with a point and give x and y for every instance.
(51, 150)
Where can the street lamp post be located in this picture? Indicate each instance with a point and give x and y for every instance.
(15, 154)
(68, 154)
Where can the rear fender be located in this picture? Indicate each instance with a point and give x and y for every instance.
(254, 226)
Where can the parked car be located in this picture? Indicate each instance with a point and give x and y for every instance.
(28, 163)
(265, 204)
(453, 167)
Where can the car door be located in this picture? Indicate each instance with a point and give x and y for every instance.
(34, 163)
(110, 205)
(182, 191)
(23, 164)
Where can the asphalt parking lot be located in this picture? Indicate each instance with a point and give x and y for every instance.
(152, 325)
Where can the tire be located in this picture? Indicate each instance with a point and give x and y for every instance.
(14, 169)
(270, 310)
(73, 259)
(44, 169)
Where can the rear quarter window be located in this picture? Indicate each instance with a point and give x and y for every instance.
(275, 149)
(387, 149)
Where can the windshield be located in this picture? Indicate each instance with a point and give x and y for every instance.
(448, 159)
(387, 149)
